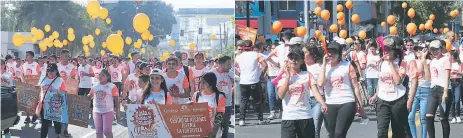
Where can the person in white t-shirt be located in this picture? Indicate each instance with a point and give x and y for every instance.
(96, 71)
(18, 73)
(177, 82)
(10, 63)
(371, 70)
(295, 89)
(155, 91)
(225, 85)
(131, 64)
(30, 68)
(117, 72)
(85, 74)
(272, 71)
(196, 71)
(7, 77)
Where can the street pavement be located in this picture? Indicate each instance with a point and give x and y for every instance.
(357, 130)
(119, 130)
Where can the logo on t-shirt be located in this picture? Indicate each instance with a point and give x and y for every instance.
(386, 78)
(29, 72)
(114, 75)
(101, 98)
(336, 82)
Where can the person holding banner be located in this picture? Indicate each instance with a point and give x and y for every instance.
(66, 71)
(105, 98)
(156, 91)
(177, 82)
(210, 94)
(52, 82)
(30, 68)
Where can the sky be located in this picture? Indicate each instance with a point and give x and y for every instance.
(188, 3)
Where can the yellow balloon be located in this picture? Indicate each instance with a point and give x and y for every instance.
(47, 28)
(18, 39)
(90, 38)
(145, 35)
(33, 40)
(97, 31)
(141, 22)
(71, 37)
(119, 32)
(43, 49)
(151, 38)
(28, 38)
(56, 43)
(42, 44)
(172, 42)
(93, 8)
(87, 54)
(86, 48)
(213, 37)
(128, 40)
(65, 42)
(91, 44)
(49, 42)
(55, 34)
(142, 51)
(115, 43)
(192, 46)
(39, 34)
(129, 56)
(103, 13)
(108, 20)
(70, 31)
(33, 29)
(102, 52)
(103, 45)
(85, 40)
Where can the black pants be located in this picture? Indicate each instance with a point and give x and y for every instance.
(393, 112)
(434, 100)
(46, 124)
(338, 119)
(119, 87)
(255, 91)
(298, 128)
(83, 91)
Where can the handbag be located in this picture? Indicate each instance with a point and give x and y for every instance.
(39, 106)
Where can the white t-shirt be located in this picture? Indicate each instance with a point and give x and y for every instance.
(85, 81)
(194, 74)
(371, 70)
(387, 89)
(7, 79)
(282, 52)
(248, 65)
(438, 68)
(179, 82)
(296, 103)
(66, 71)
(158, 98)
(103, 100)
(315, 70)
(224, 84)
(31, 69)
(338, 88)
(133, 93)
(131, 67)
(116, 73)
(57, 85)
(43, 72)
(11, 67)
(96, 71)
(273, 70)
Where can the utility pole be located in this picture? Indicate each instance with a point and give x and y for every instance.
(248, 22)
(306, 22)
(220, 35)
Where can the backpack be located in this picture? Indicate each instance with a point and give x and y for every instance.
(217, 94)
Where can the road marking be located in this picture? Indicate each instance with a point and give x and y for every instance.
(417, 124)
(89, 134)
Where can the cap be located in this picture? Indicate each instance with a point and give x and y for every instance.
(294, 41)
(435, 44)
(335, 46)
(393, 42)
(144, 65)
(155, 72)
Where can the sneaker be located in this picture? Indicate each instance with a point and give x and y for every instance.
(8, 135)
(34, 119)
(241, 123)
(66, 134)
(28, 120)
(458, 120)
(263, 122)
(272, 115)
(453, 121)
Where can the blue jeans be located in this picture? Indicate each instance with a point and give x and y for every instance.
(421, 101)
(455, 107)
(372, 83)
(273, 99)
(317, 115)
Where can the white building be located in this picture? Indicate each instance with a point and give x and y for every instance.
(7, 46)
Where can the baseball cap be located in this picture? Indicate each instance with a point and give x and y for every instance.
(155, 72)
(335, 46)
(294, 41)
(393, 42)
(435, 44)
(144, 65)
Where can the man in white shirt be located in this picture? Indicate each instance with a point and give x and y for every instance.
(225, 84)
(85, 74)
(131, 64)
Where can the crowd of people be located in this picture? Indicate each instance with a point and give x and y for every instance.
(310, 82)
(113, 82)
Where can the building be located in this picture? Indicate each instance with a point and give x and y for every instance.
(7, 46)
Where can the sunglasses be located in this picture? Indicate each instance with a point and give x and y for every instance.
(156, 78)
(434, 49)
(50, 70)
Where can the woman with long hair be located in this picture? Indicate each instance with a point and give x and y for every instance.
(440, 94)
(455, 80)
(342, 92)
(156, 91)
(52, 82)
(105, 104)
(210, 94)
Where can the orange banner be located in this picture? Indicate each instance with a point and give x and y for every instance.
(72, 86)
(247, 33)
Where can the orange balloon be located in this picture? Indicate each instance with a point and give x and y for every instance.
(300, 31)
(428, 26)
(355, 18)
(339, 8)
(362, 34)
(383, 24)
(391, 19)
(411, 28)
(453, 14)
(457, 12)
(448, 45)
(432, 17)
(334, 28)
(434, 30)
(277, 26)
(411, 13)
(349, 40)
(393, 30)
(325, 15)
(341, 22)
(430, 21)
(317, 33)
(404, 5)
(317, 11)
(340, 16)
(421, 27)
(446, 30)
(349, 4)
(343, 33)
(319, 2)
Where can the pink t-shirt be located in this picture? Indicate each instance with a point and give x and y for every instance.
(438, 67)
(456, 67)
(371, 70)
(387, 89)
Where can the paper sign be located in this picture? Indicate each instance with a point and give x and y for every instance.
(32, 79)
(28, 95)
(72, 86)
(79, 109)
(168, 121)
(247, 33)
(56, 108)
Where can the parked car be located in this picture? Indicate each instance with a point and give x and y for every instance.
(9, 108)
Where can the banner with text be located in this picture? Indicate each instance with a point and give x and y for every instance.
(247, 33)
(79, 109)
(56, 108)
(32, 79)
(168, 121)
(28, 95)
